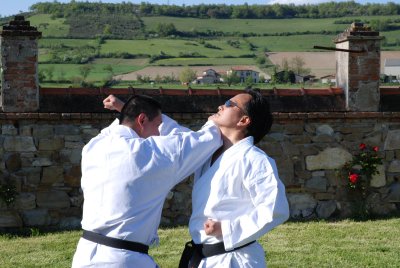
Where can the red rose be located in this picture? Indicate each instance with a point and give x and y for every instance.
(353, 178)
(376, 148)
(362, 146)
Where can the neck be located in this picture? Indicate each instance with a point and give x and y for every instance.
(229, 138)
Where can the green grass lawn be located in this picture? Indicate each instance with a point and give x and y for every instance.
(294, 244)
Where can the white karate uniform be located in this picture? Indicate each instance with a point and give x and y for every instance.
(243, 192)
(125, 180)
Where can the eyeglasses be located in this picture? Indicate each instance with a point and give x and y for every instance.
(230, 103)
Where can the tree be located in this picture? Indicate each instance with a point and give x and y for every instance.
(166, 29)
(85, 70)
(187, 75)
(231, 78)
(297, 66)
(49, 72)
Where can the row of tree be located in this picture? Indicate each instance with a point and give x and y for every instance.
(245, 11)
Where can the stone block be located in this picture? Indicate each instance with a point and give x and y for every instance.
(294, 129)
(10, 218)
(301, 204)
(9, 130)
(316, 184)
(323, 138)
(379, 180)
(56, 143)
(13, 162)
(392, 141)
(73, 176)
(74, 145)
(36, 217)
(72, 156)
(41, 162)
(52, 174)
(67, 130)
(394, 166)
(325, 209)
(325, 129)
(43, 131)
(25, 201)
(19, 144)
(52, 200)
(330, 158)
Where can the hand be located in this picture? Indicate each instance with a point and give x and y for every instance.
(113, 103)
(213, 228)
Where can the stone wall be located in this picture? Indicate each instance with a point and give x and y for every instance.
(41, 153)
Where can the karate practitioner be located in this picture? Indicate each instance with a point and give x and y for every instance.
(237, 195)
(127, 172)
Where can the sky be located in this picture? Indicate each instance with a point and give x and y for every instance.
(13, 7)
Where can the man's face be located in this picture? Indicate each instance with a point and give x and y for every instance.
(150, 128)
(230, 113)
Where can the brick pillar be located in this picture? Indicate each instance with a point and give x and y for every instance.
(18, 61)
(358, 69)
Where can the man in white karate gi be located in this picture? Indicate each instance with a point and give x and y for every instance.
(237, 195)
(127, 172)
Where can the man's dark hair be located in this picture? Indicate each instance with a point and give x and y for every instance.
(260, 115)
(139, 104)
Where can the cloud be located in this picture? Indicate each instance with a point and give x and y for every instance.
(297, 2)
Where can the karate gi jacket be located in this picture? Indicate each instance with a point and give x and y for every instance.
(242, 190)
(125, 180)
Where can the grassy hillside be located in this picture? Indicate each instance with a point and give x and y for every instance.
(218, 42)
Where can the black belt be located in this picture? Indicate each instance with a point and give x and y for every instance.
(115, 242)
(209, 250)
(193, 253)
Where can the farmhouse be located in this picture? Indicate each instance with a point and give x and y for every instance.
(392, 69)
(210, 76)
(303, 78)
(328, 79)
(244, 73)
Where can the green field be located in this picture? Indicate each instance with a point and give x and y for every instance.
(172, 47)
(279, 35)
(48, 26)
(259, 26)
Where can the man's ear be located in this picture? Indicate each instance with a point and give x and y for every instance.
(244, 121)
(140, 119)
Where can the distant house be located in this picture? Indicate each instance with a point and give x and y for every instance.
(303, 78)
(243, 73)
(210, 76)
(328, 79)
(392, 69)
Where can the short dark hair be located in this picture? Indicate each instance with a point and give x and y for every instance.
(258, 110)
(138, 104)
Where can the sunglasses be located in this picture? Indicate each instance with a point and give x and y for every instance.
(230, 103)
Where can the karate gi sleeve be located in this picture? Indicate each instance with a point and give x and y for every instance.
(185, 151)
(271, 208)
(106, 130)
(170, 126)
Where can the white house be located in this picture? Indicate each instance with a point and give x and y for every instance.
(328, 79)
(392, 69)
(210, 76)
(243, 73)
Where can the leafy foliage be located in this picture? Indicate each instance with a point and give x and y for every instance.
(8, 192)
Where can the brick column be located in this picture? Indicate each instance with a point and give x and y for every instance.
(19, 61)
(358, 68)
